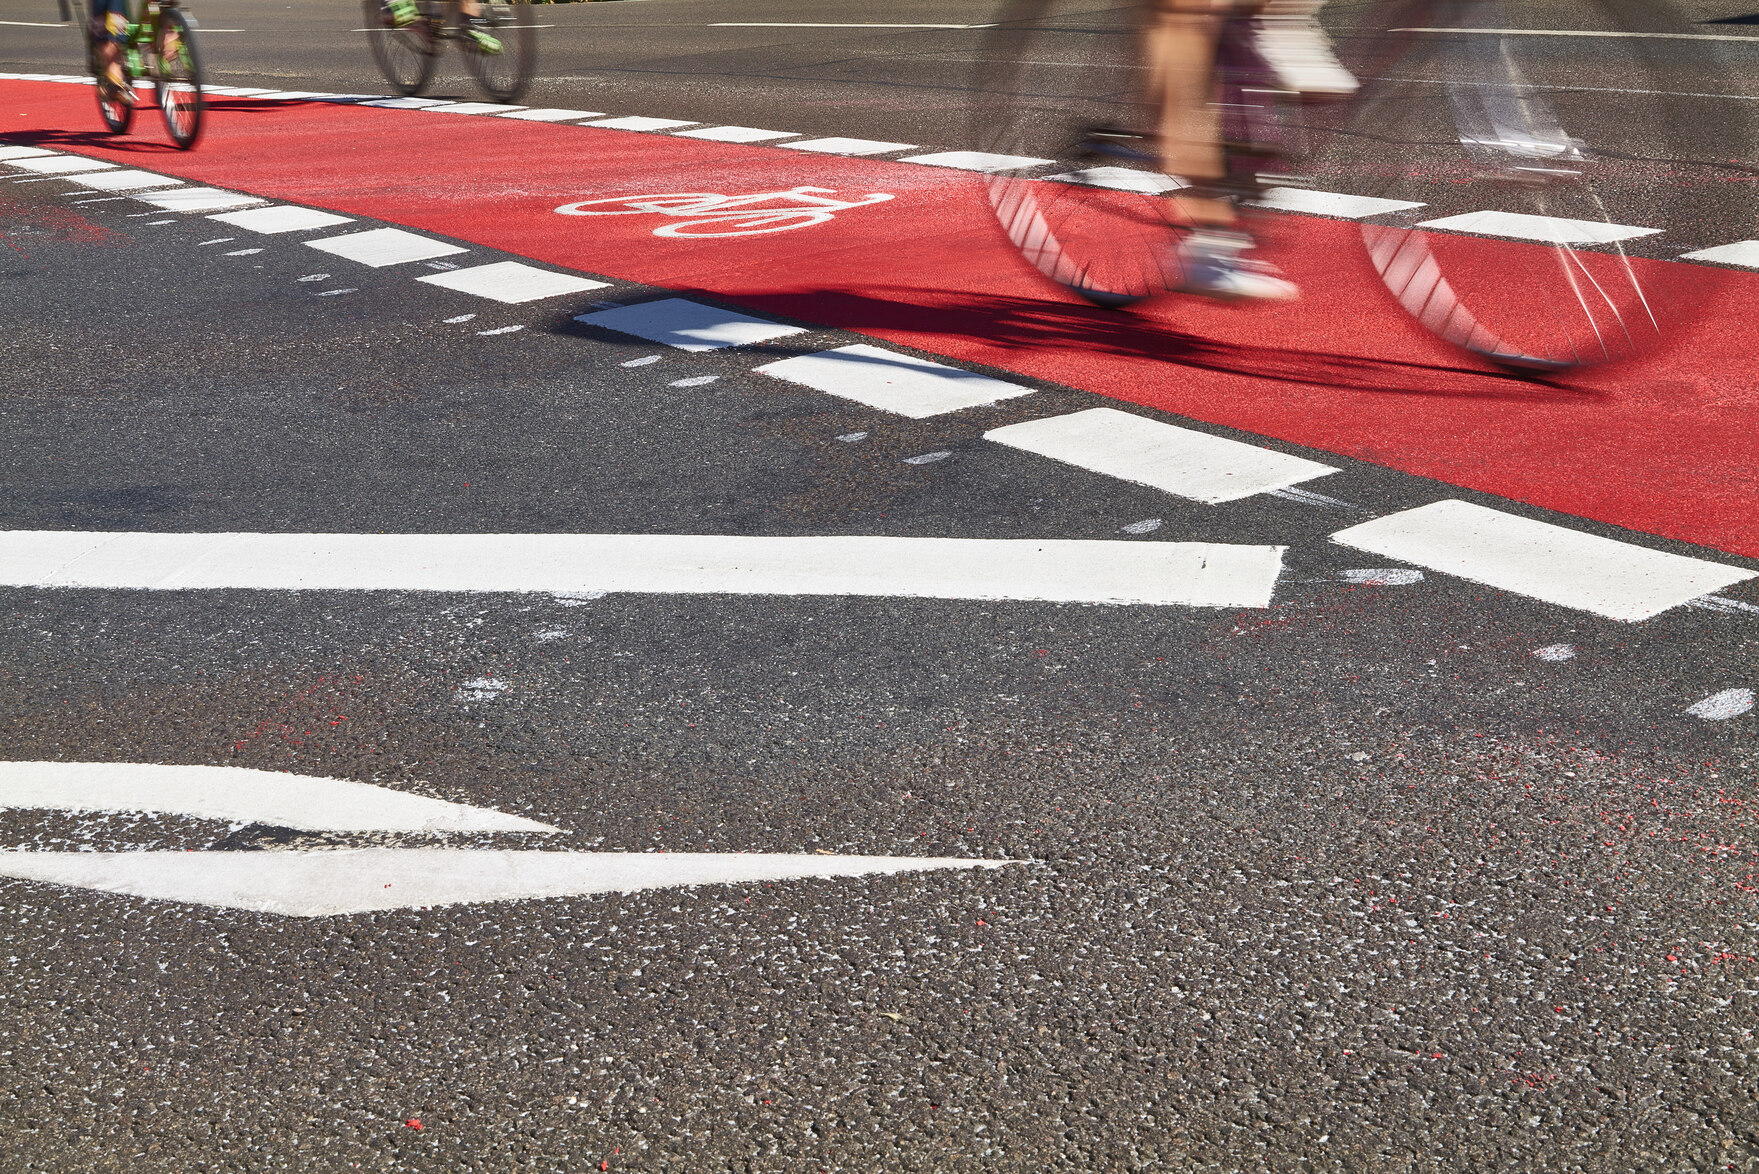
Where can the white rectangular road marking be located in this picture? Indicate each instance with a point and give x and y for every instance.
(1609, 578)
(473, 108)
(638, 123)
(380, 247)
(198, 200)
(511, 282)
(553, 114)
(976, 160)
(1548, 229)
(407, 103)
(892, 382)
(281, 218)
(1338, 204)
(60, 165)
(842, 146)
(1176, 460)
(124, 181)
(1745, 253)
(689, 326)
(1195, 574)
(7, 153)
(1121, 179)
(737, 134)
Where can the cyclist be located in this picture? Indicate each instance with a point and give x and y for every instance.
(110, 34)
(405, 13)
(1181, 38)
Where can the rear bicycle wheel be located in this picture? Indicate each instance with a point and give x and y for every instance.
(1529, 180)
(504, 73)
(178, 77)
(1061, 80)
(112, 108)
(406, 55)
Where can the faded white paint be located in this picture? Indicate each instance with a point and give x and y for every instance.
(892, 382)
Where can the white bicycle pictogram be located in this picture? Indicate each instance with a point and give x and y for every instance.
(711, 214)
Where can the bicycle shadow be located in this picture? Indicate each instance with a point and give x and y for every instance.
(1028, 324)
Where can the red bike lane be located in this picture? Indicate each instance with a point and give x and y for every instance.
(1666, 446)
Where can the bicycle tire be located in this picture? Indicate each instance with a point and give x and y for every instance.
(504, 76)
(1534, 217)
(405, 56)
(177, 77)
(116, 114)
(1060, 81)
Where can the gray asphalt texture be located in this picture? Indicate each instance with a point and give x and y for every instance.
(1355, 883)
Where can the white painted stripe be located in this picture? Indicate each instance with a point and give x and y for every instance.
(1614, 33)
(1566, 567)
(293, 95)
(737, 134)
(689, 326)
(1197, 574)
(800, 24)
(892, 382)
(124, 181)
(1720, 707)
(360, 880)
(199, 200)
(553, 114)
(23, 153)
(637, 123)
(1336, 204)
(281, 218)
(239, 795)
(1549, 229)
(1744, 253)
(247, 91)
(512, 282)
(60, 164)
(1175, 460)
(843, 146)
(1121, 179)
(380, 247)
(975, 160)
(407, 103)
(473, 108)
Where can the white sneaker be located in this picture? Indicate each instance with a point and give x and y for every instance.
(1211, 266)
(1300, 53)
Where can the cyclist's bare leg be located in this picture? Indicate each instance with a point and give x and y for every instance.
(111, 30)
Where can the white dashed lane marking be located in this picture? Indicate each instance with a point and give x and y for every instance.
(553, 114)
(281, 218)
(737, 134)
(892, 382)
(8, 154)
(1547, 229)
(361, 880)
(1743, 253)
(1175, 460)
(475, 108)
(688, 325)
(843, 146)
(1334, 204)
(1194, 574)
(199, 200)
(380, 247)
(638, 123)
(512, 282)
(406, 103)
(243, 796)
(975, 160)
(60, 164)
(1566, 567)
(1720, 707)
(124, 181)
(1121, 179)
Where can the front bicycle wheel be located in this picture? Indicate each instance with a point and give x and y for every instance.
(178, 77)
(1521, 187)
(501, 51)
(406, 54)
(1062, 81)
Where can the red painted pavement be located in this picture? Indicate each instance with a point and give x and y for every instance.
(1668, 447)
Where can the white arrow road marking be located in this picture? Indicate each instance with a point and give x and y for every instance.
(239, 795)
(361, 880)
(1195, 574)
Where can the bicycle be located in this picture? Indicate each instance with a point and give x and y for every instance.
(1511, 209)
(407, 54)
(160, 46)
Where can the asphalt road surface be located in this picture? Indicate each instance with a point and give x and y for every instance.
(1359, 865)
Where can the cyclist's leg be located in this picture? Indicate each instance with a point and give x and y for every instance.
(110, 35)
(478, 27)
